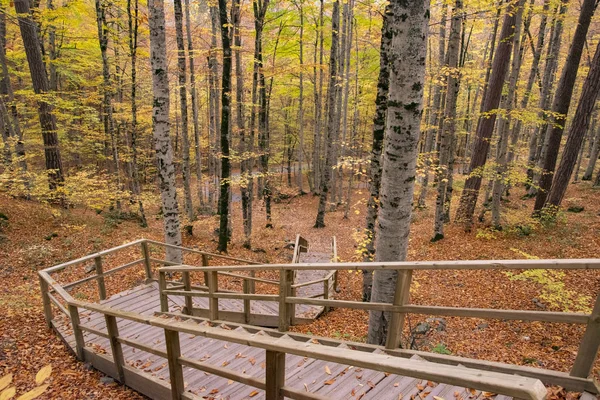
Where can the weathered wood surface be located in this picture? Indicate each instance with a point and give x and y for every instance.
(325, 378)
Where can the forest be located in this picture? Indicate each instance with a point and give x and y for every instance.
(450, 130)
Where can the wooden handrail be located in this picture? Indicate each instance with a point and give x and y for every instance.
(517, 386)
(579, 264)
(205, 253)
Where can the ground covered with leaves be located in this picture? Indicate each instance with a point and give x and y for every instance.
(35, 236)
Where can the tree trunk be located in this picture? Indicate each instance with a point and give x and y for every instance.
(301, 101)
(381, 105)
(485, 126)
(562, 100)
(214, 109)
(318, 94)
(579, 127)
(182, 78)
(332, 121)
(434, 112)
(161, 129)
(225, 117)
(39, 79)
(409, 23)
(504, 122)
(587, 176)
(133, 24)
(194, 97)
(449, 119)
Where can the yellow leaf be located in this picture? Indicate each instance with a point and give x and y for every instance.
(253, 393)
(43, 374)
(8, 393)
(32, 394)
(438, 398)
(327, 370)
(5, 381)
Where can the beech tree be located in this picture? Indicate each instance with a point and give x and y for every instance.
(408, 27)
(161, 129)
(41, 87)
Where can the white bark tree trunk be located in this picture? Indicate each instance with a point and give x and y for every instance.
(405, 104)
(161, 128)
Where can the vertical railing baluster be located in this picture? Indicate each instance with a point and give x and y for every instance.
(175, 368)
(589, 346)
(326, 292)
(117, 351)
(400, 298)
(286, 279)
(246, 290)
(213, 300)
(46, 302)
(162, 286)
(187, 286)
(100, 277)
(275, 375)
(205, 264)
(147, 263)
(77, 333)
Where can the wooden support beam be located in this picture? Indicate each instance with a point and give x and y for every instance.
(246, 289)
(100, 278)
(77, 333)
(213, 301)
(175, 368)
(275, 375)
(115, 345)
(326, 293)
(588, 348)
(46, 302)
(286, 279)
(205, 264)
(147, 263)
(162, 286)
(400, 298)
(187, 286)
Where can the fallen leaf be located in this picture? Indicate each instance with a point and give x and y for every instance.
(420, 387)
(396, 384)
(253, 393)
(438, 398)
(306, 387)
(5, 381)
(488, 394)
(327, 370)
(32, 394)
(214, 391)
(330, 382)
(8, 393)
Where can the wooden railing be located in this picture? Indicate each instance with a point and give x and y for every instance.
(276, 348)
(586, 354)
(491, 376)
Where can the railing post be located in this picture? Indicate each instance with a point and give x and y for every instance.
(79, 341)
(175, 368)
(115, 346)
(100, 279)
(213, 301)
(205, 264)
(147, 264)
(162, 286)
(46, 302)
(275, 375)
(187, 286)
(286, 279)
(589, 346)
(293, 306)
(246, 289)
(400, 298)
(326, 293)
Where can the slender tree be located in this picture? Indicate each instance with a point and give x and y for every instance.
(182, 79)
(225, 183)
(332, 121)
(161, 128)
(449, 119)
(41, 87)
(409, 24)
(594, 153)
(487, 120)
(579, 127)
(381, 104)
(562, 101)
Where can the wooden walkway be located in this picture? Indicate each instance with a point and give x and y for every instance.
(324, 378)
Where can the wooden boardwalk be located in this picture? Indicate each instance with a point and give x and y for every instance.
(324, 378)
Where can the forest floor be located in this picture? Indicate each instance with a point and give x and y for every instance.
(37, 236)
